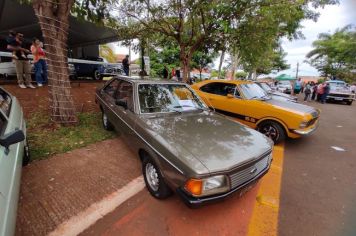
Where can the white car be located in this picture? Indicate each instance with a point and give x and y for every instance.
(284, 86)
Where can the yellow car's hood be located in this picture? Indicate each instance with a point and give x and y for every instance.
(294, 107)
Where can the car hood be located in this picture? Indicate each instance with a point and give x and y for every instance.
(293, 107)
(219, 143)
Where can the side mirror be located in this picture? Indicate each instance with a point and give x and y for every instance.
(230, 96)
(122, 103)
(11, 138)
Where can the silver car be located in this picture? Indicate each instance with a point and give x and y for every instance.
(13, 154)
(184, 147)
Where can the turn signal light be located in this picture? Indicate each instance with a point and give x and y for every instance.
(194, 186)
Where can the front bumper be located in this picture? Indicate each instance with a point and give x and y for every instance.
(305, 132)
(194, 202)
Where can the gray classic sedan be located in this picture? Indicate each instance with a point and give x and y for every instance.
(184, 146)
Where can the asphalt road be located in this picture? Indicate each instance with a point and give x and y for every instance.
(317, 194)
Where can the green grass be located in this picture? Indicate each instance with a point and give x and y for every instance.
(47, 138)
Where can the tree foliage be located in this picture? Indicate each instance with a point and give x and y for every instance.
(335, 54)
(249, 27)
(107, 52)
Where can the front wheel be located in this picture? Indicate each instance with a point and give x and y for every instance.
(273, 130)
(154, 179)
(97, 75)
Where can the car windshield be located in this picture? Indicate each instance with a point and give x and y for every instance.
(266, 87)
(157, 98)
(284, 82)
(253, 91)
(337, 85)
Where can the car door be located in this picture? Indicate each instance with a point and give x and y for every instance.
(11, 118)
(108, 95)
(215, 95)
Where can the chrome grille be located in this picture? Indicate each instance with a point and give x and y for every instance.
(249, 173)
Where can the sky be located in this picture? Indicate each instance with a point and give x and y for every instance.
(331, 18)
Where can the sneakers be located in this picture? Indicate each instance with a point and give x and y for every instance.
(39, 85)
(22, 86)
(31, 86)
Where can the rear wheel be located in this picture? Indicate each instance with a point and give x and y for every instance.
(273, 130)
(154, 179)
(106, 123)
(349, 102)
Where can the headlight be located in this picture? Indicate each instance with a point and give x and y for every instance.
(303, 124)
(207, 186)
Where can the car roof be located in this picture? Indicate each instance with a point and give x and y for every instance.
(228, 81)
(147, 80)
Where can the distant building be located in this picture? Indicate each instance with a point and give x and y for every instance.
(306, 79)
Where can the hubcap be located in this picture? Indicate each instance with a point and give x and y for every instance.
(152, 177)
(97, 75)
(270, 131)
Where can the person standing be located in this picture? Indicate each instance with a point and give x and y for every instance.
(307, 92)
(178, 74)
(297, 86)
(314, 86)
(165, 72)
(319, 92)
(126, 65)
(22, 64)
(325, 93)
(39, 62)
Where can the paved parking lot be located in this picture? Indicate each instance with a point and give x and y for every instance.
(316, 196)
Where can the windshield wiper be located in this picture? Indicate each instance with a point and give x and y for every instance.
(181, 106)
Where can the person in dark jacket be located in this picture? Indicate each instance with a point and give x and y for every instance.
(326, 93)
(126, 65)
(165, 72)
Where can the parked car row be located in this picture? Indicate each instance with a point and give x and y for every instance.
(95, 68)
(204, 142)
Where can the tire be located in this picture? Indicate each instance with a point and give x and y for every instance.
(106, 123)
(155, 183)
(349, 103)
(97, 75)
(26, 154)
(273, 130)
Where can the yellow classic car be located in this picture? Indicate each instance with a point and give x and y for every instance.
(251, 105)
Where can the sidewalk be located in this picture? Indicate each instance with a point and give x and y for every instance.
(56, 189)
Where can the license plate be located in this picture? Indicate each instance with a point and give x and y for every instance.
(248, 188)
(338, 99)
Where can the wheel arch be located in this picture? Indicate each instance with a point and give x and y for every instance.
(265, 119)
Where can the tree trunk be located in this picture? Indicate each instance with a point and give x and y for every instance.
(220, 63)
(200, 71)
(185, 64)
(54, 22)
(235, 62)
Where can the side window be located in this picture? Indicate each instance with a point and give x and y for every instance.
(5, 102)
(2, 124)
(125, 92)
(111, 88)
(222, 89)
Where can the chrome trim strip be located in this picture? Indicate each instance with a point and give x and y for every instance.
(155, 150)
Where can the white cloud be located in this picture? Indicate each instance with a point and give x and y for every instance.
(331, 18)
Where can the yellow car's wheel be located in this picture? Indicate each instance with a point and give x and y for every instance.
(273, 130)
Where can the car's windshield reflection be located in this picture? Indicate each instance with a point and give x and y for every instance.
(253, 91)
(163, 98)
